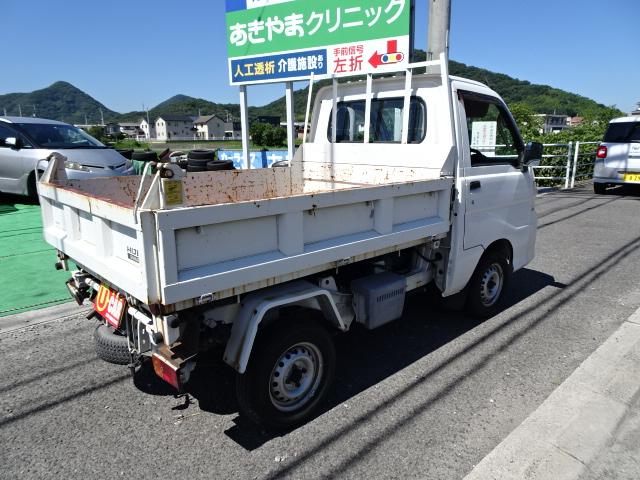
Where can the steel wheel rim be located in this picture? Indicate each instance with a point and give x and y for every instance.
(296, 376)
(491, 284)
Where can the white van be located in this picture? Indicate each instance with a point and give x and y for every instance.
(618, 156)
(26, 143)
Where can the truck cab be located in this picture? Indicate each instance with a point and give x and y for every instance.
(481, 147)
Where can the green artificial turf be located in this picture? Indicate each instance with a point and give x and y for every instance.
(28, 278)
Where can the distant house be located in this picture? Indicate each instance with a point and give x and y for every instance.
(553, 123)
(299, 128)
(148, 128)
(212, 127)
(575, 121)
(111, 129)
(636, 112)
(131, 130)
(175, 127)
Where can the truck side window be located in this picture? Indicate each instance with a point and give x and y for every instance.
(386, 121)
(492, 135)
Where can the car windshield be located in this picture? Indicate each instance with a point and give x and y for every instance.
(623, 132)
(59, 136)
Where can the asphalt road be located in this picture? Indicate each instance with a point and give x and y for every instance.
(425, 397)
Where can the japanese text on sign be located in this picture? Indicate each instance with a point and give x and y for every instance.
(296, 25)
(272, 40)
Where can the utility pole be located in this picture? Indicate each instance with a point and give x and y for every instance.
(35, 113)
(439, 26)
(20, 109)
(102, 117)
(148, 122)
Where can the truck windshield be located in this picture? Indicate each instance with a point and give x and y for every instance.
(623, 132)
(59, 136)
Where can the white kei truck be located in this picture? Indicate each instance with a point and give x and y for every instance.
(406, 181)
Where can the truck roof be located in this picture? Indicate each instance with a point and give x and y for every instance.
(416, 78)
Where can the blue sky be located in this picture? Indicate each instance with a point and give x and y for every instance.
(127, 53)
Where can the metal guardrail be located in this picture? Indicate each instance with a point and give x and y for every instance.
(576, 173)
(571, 167)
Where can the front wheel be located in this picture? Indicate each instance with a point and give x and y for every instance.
(488, 284)
(288, 376)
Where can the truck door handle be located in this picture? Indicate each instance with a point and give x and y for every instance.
(475, 185)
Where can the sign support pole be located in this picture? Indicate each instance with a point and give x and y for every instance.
(367, 109)
(244, 119)
(291, 131)
(306, 115)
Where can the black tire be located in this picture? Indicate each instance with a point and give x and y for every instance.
(191, 168)
(111, 346)
(32, 188)
(208, 155)
(145, 156)
(600, 188)
(217, 165)
(198, 163)
(306, 345)
(489, 283)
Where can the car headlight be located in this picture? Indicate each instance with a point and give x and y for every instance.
(76, 166)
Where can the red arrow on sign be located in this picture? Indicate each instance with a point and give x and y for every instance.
(392, 48)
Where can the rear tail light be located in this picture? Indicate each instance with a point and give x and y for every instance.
(166, 371)
(602, 152)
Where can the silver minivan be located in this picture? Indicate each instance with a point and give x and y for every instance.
(26, 141)
(618, 156)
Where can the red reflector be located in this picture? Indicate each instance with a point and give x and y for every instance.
(602, 152)
(166, 371)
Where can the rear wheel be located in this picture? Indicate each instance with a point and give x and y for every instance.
(288, 376)
(600, 188)
(488, 284)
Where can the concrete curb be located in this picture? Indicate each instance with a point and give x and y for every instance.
(19, 321)
(566, 433)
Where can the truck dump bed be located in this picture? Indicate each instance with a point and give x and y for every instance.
(236, 231)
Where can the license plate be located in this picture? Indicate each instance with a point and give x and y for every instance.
(110, 305)
(632, 177)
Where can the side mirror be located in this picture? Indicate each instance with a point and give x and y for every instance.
(532, 154)
(15, 143)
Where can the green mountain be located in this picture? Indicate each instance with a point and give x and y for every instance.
(60, 101)
(185, 105)
(63, 101)
(540, 98)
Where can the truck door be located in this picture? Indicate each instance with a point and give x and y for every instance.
(499, 195)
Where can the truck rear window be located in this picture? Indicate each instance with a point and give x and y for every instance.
(386, 121)
(623, 132)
